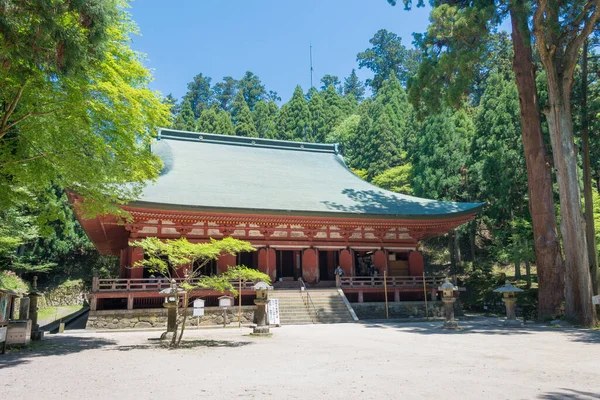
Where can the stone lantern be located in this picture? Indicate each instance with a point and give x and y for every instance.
(36, 333)
(448, 299)
(262, 294)
(171, 303)
(509, 299)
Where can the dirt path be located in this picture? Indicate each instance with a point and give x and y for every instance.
(344, 361)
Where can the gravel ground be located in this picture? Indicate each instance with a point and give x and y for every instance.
(343, 361)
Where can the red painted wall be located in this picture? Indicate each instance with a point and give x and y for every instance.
(416, 265)
(380, 261)
(123, 261)
(347, 262)
(226, 260)
(267, 262)
(310, 266)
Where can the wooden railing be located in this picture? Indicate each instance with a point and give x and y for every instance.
(146, 284)
(392, 281)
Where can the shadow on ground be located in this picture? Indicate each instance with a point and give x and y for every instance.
(569, 394)
(185, 344)
(486, 327)
(54, 347)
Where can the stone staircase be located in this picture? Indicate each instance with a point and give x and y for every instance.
(328, 303)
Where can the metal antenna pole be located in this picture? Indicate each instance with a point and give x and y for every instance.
(311, 68)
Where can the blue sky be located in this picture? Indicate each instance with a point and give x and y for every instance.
(270, 38)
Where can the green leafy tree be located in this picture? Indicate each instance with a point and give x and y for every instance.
(298, 117)
(380, 144)
(343, 134)
(224, 92)
(252, 89)
(354, 87)
(331, 80)
(336, 108)
(317, 125)
(397, 179)
(199, 94)
(283, 123)
(174, 108)
(185, 120)
(394, 100)
(165, 257)
(264, 116)
(455, 48)
(386, 55)
(356, 157)
(208, 121)
(76, 112)
(242, 117)
(441, 160)
(223, 124)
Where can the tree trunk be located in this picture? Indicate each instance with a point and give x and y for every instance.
(452, 251)
(587, 174)
(578, 295)
(517, 261)
(549, 262)
(473, 232)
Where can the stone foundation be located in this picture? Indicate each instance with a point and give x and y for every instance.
(403, 309)
(157, 318)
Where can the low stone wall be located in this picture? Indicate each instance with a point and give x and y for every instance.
(402, 309)
(157, 318)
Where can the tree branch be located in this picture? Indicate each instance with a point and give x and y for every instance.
(10, 110)
(574, 45)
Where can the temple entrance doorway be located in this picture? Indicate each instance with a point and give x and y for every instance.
(289, 265)
(328, 261)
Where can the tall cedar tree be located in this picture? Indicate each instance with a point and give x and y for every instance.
(264, 116)
(386, 55)
(442, 155)
(242, 117)
(336, 108)
(252, 89)
(331, 80)
(380, 143)
(224, 126)
(316, 107)
(185, 121)
(454, 47)
(354, 87)
(497, 171)
(394, 99)
(199, 94)
(298, 117)
(224, 92)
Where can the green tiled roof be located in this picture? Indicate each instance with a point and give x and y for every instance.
(208, 172)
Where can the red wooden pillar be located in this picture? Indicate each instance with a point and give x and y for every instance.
(180, 272)
(415, 263)
(347, 262)
(267, 262)
(123, 261)
(225, 261)
(136, 254)
(380, 261)
(310, 266)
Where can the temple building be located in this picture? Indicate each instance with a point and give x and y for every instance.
(297, 203)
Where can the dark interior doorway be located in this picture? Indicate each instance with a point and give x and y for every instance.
(328, 261)
(249, 259)
(285, 264)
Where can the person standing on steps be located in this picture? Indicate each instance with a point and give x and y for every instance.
(338, 276)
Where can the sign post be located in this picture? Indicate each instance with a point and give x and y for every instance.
(273, 312)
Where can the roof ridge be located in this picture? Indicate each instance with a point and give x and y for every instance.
(173, 134)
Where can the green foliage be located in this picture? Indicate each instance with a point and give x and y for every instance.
(252, 89)
(397, 179)
(213, 120)
(361, 173)
(199, 94)
(442, 155)
(386, 56)
(10, 281)
(344, 133)
(242, 117)
(331, 80)
(354, 87)
(78, 112)
(185, 120)
(380, 143)
(296, 119)
(224, 92)
(264, 116)
(316, 107)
